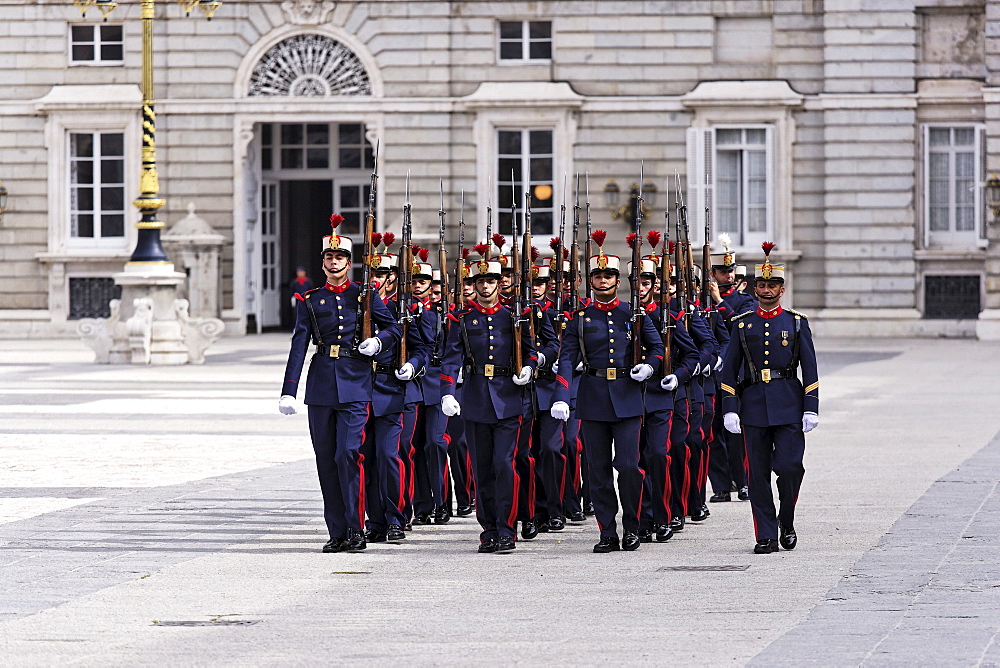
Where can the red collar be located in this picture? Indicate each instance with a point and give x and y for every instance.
(337, 288)
(767, 315)
(728, 292)
(608, 306)
(301, 280)
(651, 306)
(544, 304)
(486, 311)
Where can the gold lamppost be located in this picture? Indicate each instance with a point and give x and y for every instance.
(993, 195)
(148, 249)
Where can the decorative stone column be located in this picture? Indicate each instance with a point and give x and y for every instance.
(196, 249)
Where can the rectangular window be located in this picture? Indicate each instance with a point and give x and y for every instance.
(527, 157)
(97, 186)
(525, 40)
(307, 146)
(953, 172)
(96, 44)
(952, 297)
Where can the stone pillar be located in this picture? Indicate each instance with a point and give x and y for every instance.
(166, 340)
(988, 325)
(196, 249)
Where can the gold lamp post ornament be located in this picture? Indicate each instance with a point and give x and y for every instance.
(993, 195)
(626, 211)
(148, 249)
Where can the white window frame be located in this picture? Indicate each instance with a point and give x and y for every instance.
(526, 181)
(526, 42)
(951, 238)
(97, 240)
(97, 61)
(489, 120)
(61, 124)
(702, 183)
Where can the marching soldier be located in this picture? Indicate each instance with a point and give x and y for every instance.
(338, 387)
(600, 336)
(764, 399)
(481, 345)
(659, 408)
(459, 458)
(394, 393)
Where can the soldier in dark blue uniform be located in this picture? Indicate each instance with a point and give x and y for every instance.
(480, 345)
(394, 392)
(726, 454)
(610, 396)
(338, 387)
(659, 407)
(764, 398)
(459, 459)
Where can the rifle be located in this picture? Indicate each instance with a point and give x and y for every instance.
(574, 253)
(364, 312)
(517, 288)
(445, 306)
(459, 297)
(706, 259)
(558, 267)
(489, 218)
(680, 213)
(637, 310)
(589, 252)
(405, 265)
(666, 322)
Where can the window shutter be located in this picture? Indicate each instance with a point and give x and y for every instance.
(926, 188)
(769, 160)
(700, 179)
(980, 178)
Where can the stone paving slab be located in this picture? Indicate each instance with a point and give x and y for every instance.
(208, 509)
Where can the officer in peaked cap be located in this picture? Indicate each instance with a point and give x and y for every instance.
(601, 336)
(770, 388)
(339, 385)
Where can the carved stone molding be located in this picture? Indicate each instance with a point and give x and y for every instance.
(309, 66)
(307, 12)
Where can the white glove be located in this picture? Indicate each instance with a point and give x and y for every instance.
(541, 359)
(524, 377)
(641, 372)
(461, 377)
(579, 367)
(450, 406)
(731, 422)
(370, 346)
(560, 410)
(669, 383)
(555, 367)
(809, 421)
(718, 363)
(697, 369)
(287, 405)
(405, 372)
(707, 371)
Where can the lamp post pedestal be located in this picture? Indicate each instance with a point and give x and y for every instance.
(152, 333)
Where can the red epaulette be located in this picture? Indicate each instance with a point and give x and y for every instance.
(299, 297)
(678, 317)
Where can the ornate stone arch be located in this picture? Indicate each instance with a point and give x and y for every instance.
(316, 63)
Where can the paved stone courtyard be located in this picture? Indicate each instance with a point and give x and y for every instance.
(171, 516)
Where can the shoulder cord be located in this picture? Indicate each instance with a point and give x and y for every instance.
(317, 339)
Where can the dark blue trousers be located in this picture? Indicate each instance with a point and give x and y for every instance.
(493, 447)
(550, 462)
(337, 433)
(779, 449)
(431, 458)
(680, 475)
(385, 472)
(573, 452)
(726, 457)
(459, 463)
(614, 445)
(655, 461)
(698, 455)
(526, 467)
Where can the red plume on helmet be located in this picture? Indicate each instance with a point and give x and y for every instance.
(535, 253)
(465, 253)
(671, 248)
(335, 220)
(554, 242)
(653, 237)
(565, 253)
(376, 239)
(415, 249)
(599, 236)
(499, 241)
(482, 249)
(767, 247)
(630, 240)
(388, 239)
(424, 254)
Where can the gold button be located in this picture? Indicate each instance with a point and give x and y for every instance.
(612, 341)
(612, 350)
(491, 347)
(491, 356)
(767, 324)
(767, 343)
(491, 337)
(767, 352)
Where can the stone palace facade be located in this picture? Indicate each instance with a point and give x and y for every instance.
(855, 134)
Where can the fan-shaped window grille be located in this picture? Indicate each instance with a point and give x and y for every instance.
(309, 66)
